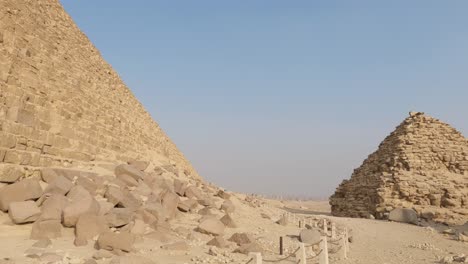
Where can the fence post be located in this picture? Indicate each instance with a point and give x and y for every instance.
(257, 257)
(301, 257)
(325, 226)
(344, 247)
(323, 258)
(347, 239)
(300, 224)
(333, 230)
(281, 246)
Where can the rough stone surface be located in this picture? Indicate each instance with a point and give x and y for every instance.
(24, 212)
(310, 236)
(421, 165)
(218, 242)
(116, 241)
(53, 206)
(88, 114)
(403, 215)
(228, 221)
(46, 229)
(59, 185)
(10, 173)
(249, 248)
(89, 226)
(242, 238)
(81, 202)
(211, 226)
(24, 190)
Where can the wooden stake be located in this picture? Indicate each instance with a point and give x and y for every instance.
(257, 257)
(325, 226)
(301, 257)
(323, 258)
(344, 247)
(281, 246)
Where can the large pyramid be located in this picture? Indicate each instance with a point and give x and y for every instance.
(61, 104)
(422, 165)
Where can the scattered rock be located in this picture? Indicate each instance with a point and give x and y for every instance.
(248, 248)
(218, 241)
(242, 238)
(59, 185)
(119, 217)
(42, 243)
(52, 207)
(228, 221)
(228, 207)
(24, 212)
(46, 229)
(403, 215)
(310, 236)
(81, 203)
(28, 189)
(10, 173)
(116, 241)
(211, 226)
(89, 226)
(129, 170)
(181, 245)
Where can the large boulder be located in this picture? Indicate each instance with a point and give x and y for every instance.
(170, 201)
(139, 164)
(129, 170)
(47, 229)
(242, 238)
(180, 187)
(228, 221)
(116, 241)
(193, 192)
(403, 215)
(88, 184)
(81, 202)
(114, 194)
(249, 248)
(218, 242)
(180, 246)
(89, 226)
(310, 236)
(48, 174)
(24, 212)
(118, 217)
(228, 207)
(52, 207)
(211, 226)
(59, 185)
(10, 173)
(24, 190)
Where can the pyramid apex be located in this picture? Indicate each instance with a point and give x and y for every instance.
(414, 114)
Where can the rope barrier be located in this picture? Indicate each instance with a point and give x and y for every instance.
(336, 250)
(311, 245)
(282, 259)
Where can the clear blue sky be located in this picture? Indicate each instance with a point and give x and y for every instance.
(284, 97)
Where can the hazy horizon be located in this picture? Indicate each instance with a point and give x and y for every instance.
(285, 98)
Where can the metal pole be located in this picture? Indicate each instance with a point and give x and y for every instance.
(281, 246)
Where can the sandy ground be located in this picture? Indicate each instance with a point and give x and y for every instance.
(373, 241)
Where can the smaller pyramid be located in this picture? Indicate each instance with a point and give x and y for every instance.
(422, 165)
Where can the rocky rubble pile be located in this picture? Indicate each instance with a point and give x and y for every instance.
(115, 211)
(422, 165)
